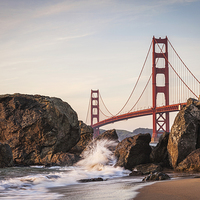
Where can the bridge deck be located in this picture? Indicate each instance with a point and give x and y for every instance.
(139, 113)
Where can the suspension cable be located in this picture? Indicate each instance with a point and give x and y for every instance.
(88, 110)
(141, 93)
(183, 62)
(136, 81)
(175, 71)
(105, 105)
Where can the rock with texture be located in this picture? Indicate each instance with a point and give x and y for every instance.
(133, 151)
(185, 133)
(147, 168)
(108, 135)
(6, 157)
(191, 162)
(37, 127)
(159, 154)
(157, 176)
(85, 138)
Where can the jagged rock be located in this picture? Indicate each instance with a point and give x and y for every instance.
(159, 154)
(108, 135)
(37, 127)
(185, 133)
(148, 168)
(136, 173)
(90, 180)
(6, 157)
(64, 159)
(85, 139)
(133, 151)
(191, 162)
(157, 176)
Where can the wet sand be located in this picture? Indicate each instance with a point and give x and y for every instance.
(182, 189)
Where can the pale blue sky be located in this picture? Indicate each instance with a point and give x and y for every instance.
(66, 48)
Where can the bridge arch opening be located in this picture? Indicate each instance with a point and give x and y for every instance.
(160, 80)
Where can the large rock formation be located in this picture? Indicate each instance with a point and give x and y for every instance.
(191, 162)
(6, 158)
(185, 133)
(37, 127)
(85, 139)
(133, 151)
(159, 154)
(108, 135)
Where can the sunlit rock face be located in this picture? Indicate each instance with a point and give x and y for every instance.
(37, 127)
(185, 133)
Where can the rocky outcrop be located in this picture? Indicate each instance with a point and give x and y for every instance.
(64, 159)
(185, 133)
(159, 154)
(85, 138)
(191, 162)
(108, 135)
(37, 127)
(157, 176)
(147, 168)
(6, 158)
(133, 151)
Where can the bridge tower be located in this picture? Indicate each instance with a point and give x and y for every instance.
(160, 120)
(95, 110)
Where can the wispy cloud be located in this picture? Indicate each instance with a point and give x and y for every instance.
(75, 36)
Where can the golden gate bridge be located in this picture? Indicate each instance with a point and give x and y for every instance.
(166, 90)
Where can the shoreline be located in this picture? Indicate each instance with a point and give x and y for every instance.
(176, 189)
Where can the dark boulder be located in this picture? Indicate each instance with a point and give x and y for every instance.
(185, 133)
(90, 180)
(108, 135)
(85, 138)
(6, 157)
(157, 176)
(136, 173)
(37, 127)
(191, 162)
(133, 151)
(159, 154)
(148, 168)
(64, 159)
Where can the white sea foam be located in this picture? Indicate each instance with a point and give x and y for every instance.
(98, 161)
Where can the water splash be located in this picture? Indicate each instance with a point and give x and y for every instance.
(98, 154)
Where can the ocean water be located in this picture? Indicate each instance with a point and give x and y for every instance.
(39, 182)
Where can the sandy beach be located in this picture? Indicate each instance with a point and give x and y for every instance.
(182, 189)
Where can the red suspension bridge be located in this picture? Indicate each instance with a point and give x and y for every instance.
(166, 90)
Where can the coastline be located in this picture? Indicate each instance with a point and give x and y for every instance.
(177, 189)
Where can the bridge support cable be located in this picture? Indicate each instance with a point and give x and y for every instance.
(183, 63)
(88, 110)
(136, 81)
(141, 94)
(105, 107)
(176, 72)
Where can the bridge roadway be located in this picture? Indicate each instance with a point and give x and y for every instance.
(139, 113)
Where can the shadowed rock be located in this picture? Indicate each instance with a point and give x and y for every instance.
(159, 154)
(147, 168)
(37, 127)
(191, 162)
(6, 158)
(85, 138)
(133, 151)
(157, 176)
